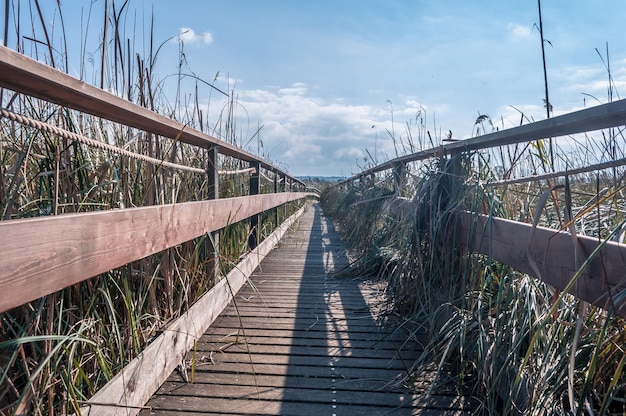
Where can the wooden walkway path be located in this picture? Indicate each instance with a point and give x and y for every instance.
(299, 342)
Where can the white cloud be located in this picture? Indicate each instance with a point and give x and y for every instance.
(351, 152)
(297, 88)
(188, 35)
(311, 135)
(519, 31)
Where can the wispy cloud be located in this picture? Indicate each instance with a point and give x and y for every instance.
(518, 31)
(188, 36)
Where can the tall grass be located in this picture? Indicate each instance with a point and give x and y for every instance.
(497, 335)
(58, 350)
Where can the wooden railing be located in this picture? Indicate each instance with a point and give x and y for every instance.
(595, 118)
(597, 276)
(79, 246)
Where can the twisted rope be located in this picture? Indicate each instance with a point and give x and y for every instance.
(49, 128)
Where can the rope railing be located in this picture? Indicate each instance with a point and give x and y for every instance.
(49, 128)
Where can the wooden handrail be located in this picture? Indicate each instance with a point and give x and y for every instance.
(46, 254)
(549, 255)
(25, 75)
(595, 118)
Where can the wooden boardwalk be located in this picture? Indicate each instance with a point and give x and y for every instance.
(299, 342)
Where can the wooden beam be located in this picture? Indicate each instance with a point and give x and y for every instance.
(552, 252)
(25, 75)
(46, 254)
(143, 376)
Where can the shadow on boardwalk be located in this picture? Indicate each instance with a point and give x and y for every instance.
(348, 364)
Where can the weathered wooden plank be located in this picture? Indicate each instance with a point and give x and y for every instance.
(230, 332)
(209, 375)
(389, 362)
(302, 324)
(246, 311)
(509, 242)
(183, 394)
(139, 380)
(23, 74)
(46, 254)
(216, 343)
(345, 373)
(224, 379)
(347, 348)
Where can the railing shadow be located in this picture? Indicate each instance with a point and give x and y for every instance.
(340, 361)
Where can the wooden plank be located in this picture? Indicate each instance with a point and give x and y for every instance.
(139, 380)
(260, 343)
(388, 362)
(210, 376)
(553, 253)
(23, 74)
(46, 254)
(218, 378)
(595, 118)
(292, 334)
(192, 397)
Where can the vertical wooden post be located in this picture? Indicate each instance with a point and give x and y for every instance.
(399, 177)
(451, 184)
(276, 219)
(284, 189)
(213, 192)
(255, 189)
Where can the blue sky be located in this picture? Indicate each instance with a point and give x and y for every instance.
(324, 79)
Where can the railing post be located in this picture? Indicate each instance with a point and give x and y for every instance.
(276, 219)
(255, 189)
(213, 185)
(399, 177)
(451, 184)
(284, 189)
